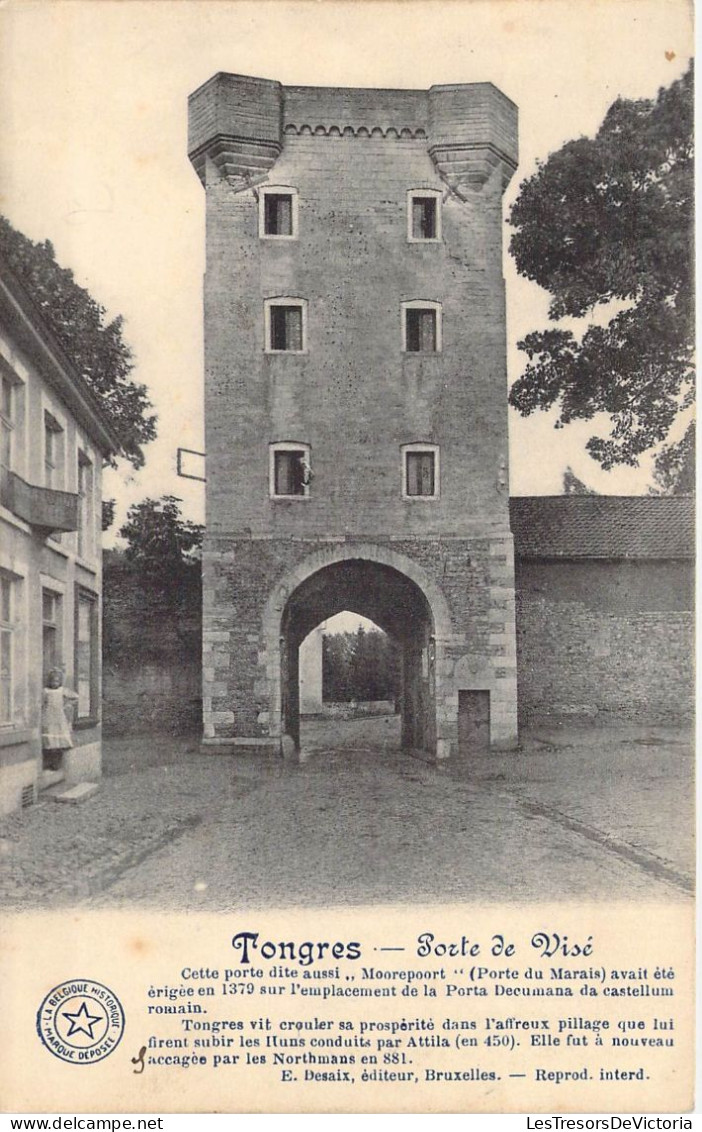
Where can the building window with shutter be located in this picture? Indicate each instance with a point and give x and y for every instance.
(8, 628)
(420, 471)
(86, 655)
(421, 327)
(285, 326)
(277, 218)
(53, 452)
(423, 216)
(11, 426)
(51, 630)
(290, 470)
(7, 427)
(86, 518)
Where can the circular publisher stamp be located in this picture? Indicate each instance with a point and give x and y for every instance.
(80, 1021)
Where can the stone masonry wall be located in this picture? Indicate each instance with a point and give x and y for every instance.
(593, 638)
(605, 638)
(152, 658)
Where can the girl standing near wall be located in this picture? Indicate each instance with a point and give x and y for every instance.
(56, 729)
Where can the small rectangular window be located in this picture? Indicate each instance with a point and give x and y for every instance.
(424, 215)
(420, 473)
(424, 218)
(278, 214)
(286, 328)
(420, 330)
(290, 472)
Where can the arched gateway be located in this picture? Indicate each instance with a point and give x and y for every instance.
(356, 398)
(374, 582)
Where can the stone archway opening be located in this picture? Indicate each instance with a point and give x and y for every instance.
(349, 686)
(397, 605)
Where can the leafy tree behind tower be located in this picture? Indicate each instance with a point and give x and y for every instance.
(161, 544)
(94, 345)
(359, 666)
(605, 226)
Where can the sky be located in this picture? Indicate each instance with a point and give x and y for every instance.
(93, 155)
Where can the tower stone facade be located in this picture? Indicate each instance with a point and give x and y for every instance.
(356, 398)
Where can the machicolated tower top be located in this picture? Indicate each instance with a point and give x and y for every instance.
(387, 265)
(356, 393)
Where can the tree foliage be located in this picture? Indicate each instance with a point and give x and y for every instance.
(608, 220)
(160, 542)
(94, 345)
(574, 486)
(674, 470)
(358, 666)
(108, 513)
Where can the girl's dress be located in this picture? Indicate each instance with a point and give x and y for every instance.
(56, 732)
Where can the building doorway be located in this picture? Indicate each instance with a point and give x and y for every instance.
(473, 722)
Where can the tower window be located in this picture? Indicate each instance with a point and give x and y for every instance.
(424, 218)
(421, 327)
(423, 215)
(285, 326)
(421, 331)
(278, 213)
(420, 471)
(290, 470)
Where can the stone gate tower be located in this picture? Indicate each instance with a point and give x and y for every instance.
(356, 398)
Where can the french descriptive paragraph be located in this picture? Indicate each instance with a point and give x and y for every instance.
(458, 1012)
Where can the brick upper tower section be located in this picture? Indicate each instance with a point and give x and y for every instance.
(240, 123)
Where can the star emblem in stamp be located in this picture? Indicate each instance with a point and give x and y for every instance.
(80, 1021)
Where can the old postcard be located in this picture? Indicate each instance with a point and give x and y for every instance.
(347, 563)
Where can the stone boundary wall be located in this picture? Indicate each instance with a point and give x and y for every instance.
(594, 639)
(359, 709)
(152, 652)
(602, 639)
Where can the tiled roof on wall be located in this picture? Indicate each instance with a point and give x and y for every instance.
(603, 526)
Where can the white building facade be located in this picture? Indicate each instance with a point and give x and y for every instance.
(54, 440)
